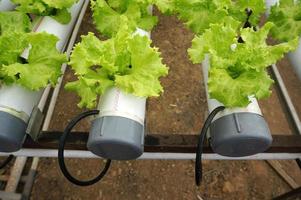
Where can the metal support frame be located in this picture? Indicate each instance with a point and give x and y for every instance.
(158, 156)
(295, 193)
(287, 99)
(12, 181)
(157, 146)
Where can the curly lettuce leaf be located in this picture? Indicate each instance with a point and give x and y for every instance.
(12, 21)
(210, 43)
(122, 5)
(110, 54)
(44, 63)
(89, 86)
(87, 93)
(239, 10)
(145, 69)
(90, 49)
(13, 38)
(166, 6)
(110, 16)
(57, 9)
(11, 47)
(63, 16)
(235, 92)
(261, 54)
(59, 4)
(237, 68)
(199, 14)
(287, 18)
(126, 61)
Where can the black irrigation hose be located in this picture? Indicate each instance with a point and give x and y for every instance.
(62, 142)
(198, 159)
(6, 161)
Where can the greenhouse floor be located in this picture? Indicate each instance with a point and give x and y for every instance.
(181, 109)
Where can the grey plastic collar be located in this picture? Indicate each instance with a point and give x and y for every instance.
(240, 134)
(19, 114)
(116, 138)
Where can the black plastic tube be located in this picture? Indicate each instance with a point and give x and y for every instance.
(198, 160)
(61, 159)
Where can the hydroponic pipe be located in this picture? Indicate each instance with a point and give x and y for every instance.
(237, 132)
(295, 59)
(56, 90)
(16, 102)
(118, 131)
(295, 56)
(6, 5)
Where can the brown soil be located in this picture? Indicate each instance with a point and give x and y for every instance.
(180, 110)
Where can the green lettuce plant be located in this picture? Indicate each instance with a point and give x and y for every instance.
(57, 9)
(126, 61)
(43, 64)
(108, 15)
(226, 32)
(238, 67)
(287, 19)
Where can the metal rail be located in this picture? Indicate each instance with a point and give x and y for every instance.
(157, 156)
(287, 99)
(178, 147)
(160, 143)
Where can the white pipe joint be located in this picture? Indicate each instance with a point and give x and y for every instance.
(237, 132)
(118, 131)
(16, 102)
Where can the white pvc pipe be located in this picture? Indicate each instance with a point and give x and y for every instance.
(142, 33)
(287, 99)
(6, 5)
(64, 66)
(295, 59)
(20, 99)
(253, 107)
(48, 153)
(118, 103)
(62, 31)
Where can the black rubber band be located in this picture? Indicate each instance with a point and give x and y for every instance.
(198, 159)
(62, 147)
